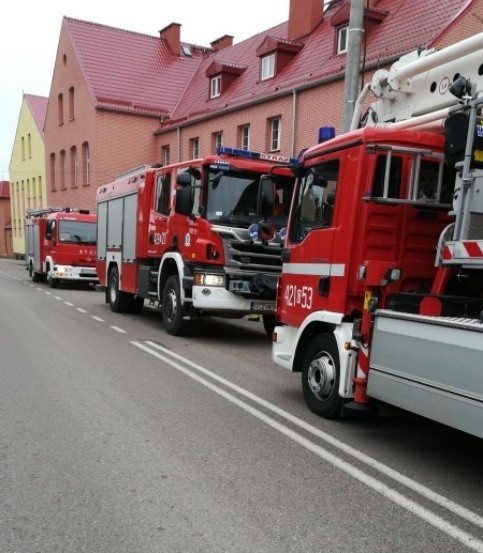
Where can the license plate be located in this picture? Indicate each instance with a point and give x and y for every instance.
(256, 306)
(88, 271)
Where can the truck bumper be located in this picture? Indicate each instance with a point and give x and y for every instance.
(70, 273)
(284, 347)
(219, 300)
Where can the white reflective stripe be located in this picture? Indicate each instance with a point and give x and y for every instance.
(317, 269)
(468, 248)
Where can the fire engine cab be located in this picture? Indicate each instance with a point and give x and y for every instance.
(60, 245)
(380, 298)
(198, 238)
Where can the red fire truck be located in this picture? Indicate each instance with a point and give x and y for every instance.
(197, 238)
(380, 299)
(60, 245)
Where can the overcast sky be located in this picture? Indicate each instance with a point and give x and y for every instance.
(30, 33)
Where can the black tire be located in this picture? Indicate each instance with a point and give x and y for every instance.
(36, 277)
(269, 323)
(52, 282)
(321, 376)
(172, 310)
(137, 305)
(118, 300)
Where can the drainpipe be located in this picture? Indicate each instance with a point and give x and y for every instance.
(178, 143)
(294, 118)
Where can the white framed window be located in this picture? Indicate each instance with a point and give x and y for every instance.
(215, 86)
(217, 140)
(268, 66)
(245, 137)
(62, 170)
(275, 128)
(53, 173)
(342, 39)
(165, 155)
(74, 172)
(86, 165)
(195, 147)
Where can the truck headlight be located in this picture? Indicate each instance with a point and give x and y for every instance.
(201, 279)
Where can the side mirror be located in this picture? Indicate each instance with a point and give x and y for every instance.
(183, 179)
(183, 201)
(266, 199)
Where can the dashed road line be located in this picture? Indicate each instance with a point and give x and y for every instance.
(117, 329)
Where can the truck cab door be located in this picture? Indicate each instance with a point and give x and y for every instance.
(310, 266)
(158, 228)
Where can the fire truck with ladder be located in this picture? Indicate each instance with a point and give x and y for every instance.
(60, 245)
(197, 238)
(380, 299)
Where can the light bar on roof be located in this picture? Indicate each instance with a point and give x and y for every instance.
(254, 155)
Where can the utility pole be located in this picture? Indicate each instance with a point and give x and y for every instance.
(351, 81)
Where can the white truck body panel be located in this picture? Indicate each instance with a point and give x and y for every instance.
(431, 366)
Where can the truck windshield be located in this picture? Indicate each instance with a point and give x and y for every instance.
(78, 232)
(232, 197)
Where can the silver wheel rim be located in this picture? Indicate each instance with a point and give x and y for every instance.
(321, 376)
(171, 305)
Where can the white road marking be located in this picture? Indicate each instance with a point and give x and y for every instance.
(435, 520)
(96, 318)
(81, 310)
(117, 329)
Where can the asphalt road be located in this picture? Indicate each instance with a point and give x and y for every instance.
(115, 437)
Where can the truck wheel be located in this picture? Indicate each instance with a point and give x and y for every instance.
(33, 274)
(52, 282)
(137, 305)
(172, 309)
(320, 377)
(269, 323)
(118, 300)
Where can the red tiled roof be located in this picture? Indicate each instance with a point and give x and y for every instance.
(38, 109)
(138, 73)
(129, 71)
(4, 189)
(407, 25)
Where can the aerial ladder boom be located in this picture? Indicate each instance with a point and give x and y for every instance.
(418, 90)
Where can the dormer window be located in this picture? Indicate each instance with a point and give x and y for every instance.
(268, 67)
(342, 39)
(340, 23)
(221, 75)
(275, 54)
(215, 86)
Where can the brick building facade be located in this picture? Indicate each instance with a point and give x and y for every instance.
(120, 99)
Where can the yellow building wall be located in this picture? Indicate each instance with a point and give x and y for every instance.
(27, 175)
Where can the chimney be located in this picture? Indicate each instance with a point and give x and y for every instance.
(172, 35)
(304, 16)
(224, 41)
